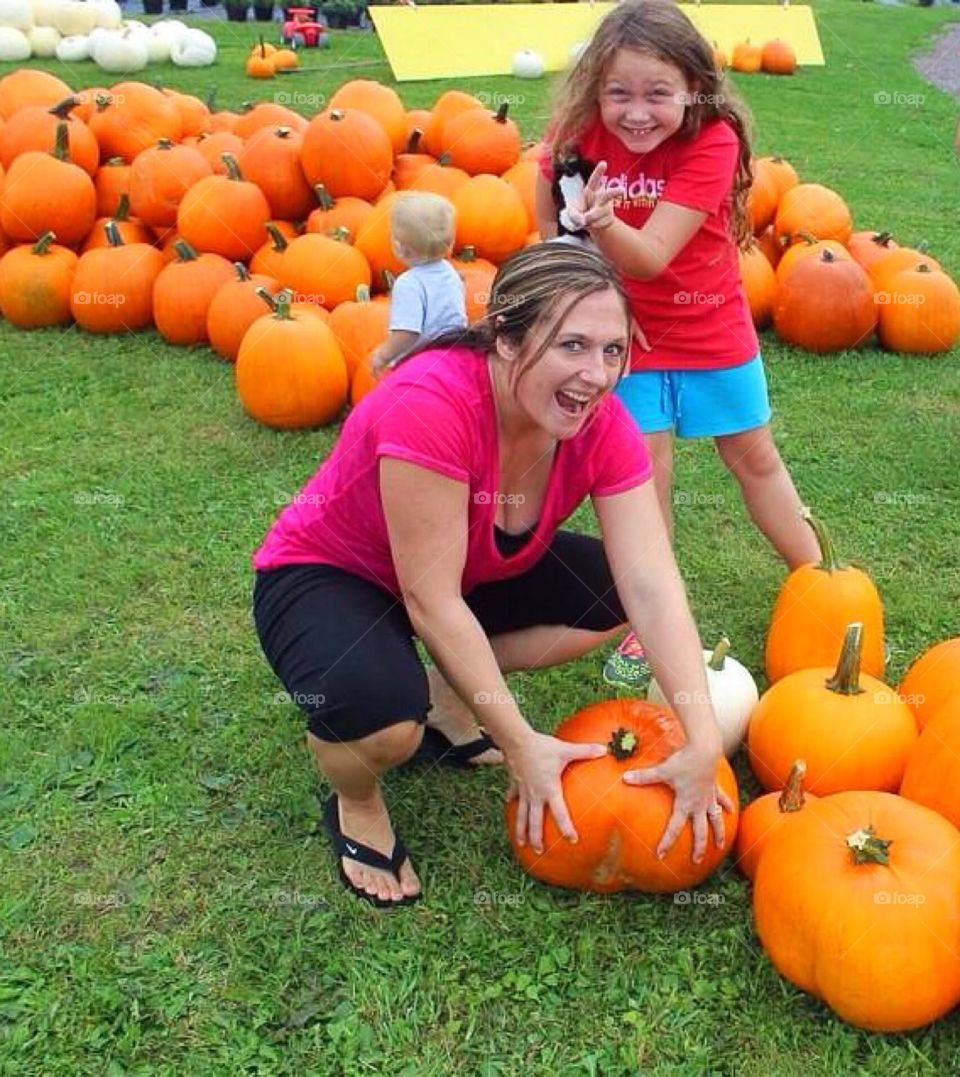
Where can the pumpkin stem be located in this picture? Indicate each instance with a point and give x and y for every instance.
(807, 237)
(113, 234)
(164, 144)
(185, 252)
(502, 111)
(233, 169)
(114, 162)
(122, 212)
(241, 269)
(337, 114)
(846, 679)
(882, 239)
(248, 106)
(719, 656)
(103, 101)
(828, 554)
(924, 267)
(341, 234)
(468, 254)
(792, 798)
(263, 48)
(266, 296)
(324, 197)
(867, 848)
(444, 159)
(827, 255)
(61, 144)
(282, 302)
(283, 132)
(62, 108)
(279, 239)
(622, 744)
(413, 142)
(388, 280)
(363, 293)
(43, 243)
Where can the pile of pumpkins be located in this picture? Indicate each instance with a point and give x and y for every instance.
(266, 60)
(775, 57)
(77, 30)
(854, 853)
(167, 213)
(825, 287)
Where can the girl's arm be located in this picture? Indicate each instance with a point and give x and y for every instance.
(426, 516)
(649, 585)
(644, 253)
(546, 211)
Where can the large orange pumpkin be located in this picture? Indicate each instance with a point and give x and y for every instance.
(348, 152)
(491, 218)
(856, 902)
(747, 58)
(322, 270)
(184, 291)
(271, 159)
(919, 312)
(892, 262)
(813, 208)
(478, 141)
(932, 775)
(160, 177)
(932, 680)
(814, 607)
(112, 288)
(761, 819)
(290, 370)
(224, 215)
(234, 308)
(136, 117)
(477, 275)
(360, 325)
(335, 213)
(522, 177)
(824, 303)
(26, 87)
(806, 245)
(619, 826)
(449, 104)
(853, 731)
(35, 283)
(778, 58)
(381, 103)
(869, 247)
(35, 128)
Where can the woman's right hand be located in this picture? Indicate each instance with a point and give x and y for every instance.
(535, 766)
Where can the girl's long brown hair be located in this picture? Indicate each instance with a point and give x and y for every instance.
(660, 28)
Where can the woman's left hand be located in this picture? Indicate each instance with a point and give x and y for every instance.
(692, 775)
(594, 209)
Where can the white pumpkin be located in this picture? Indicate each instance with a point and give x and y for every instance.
(108, 14)
(45, 12)
(173, 27)
(75, 17)
(120, 52)
(195, 49)
(44, 40)
(73, 48)
(159, 45)
(14, 45)
(733, 693)
(17, 14)
(527, 64)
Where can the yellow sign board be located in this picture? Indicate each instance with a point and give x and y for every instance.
(463, 40)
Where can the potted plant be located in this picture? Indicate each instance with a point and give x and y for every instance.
(178, 5)
(339, 13)
(237, 10)
(263, 10)
(153, 7)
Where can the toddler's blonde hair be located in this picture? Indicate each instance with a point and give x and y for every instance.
(424, 223)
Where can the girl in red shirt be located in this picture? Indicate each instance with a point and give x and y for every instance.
(650, 153)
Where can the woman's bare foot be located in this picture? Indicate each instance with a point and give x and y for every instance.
(454, 719)
(367, 822)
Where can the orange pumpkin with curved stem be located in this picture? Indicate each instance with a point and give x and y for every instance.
(855, 901)
(290, 372)
(853, 731)
(112, 288)
(266, 261)
(932, 680)
(184, 291)
(477, 275)
(417, 120)
(87, 99)
(619, 826)
(360, 325)
(271, 159)
(348, 152)
(260, 63)
(814, 607)
(213, 146)
(449, 104)
(813, 208)
(26, 87)
(322, 270)
(410, 164)
(130, 229)
(919, 312)
(159, 179)
(335, 213)
(35, 128)
(759, 283)
(233, 309)
(761, 819)
(380, 102)
(478, 140)
(490, 217)
(35, 283)
(266, 114)
(224, 215)
(136, 117)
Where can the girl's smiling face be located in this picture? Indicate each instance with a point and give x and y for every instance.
(642, 99)
(580, 366)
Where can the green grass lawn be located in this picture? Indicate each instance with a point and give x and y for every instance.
(167, 904)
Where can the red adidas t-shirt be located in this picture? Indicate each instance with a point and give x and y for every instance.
(695, 313)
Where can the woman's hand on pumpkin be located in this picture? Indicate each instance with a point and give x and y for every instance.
(691, 773)
(535, 765)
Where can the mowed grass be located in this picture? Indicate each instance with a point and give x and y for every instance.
(167, 904)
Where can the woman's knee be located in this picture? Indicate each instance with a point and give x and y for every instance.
(377, 751)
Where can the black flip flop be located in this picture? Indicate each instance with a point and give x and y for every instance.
(436, 747)
(363, 854)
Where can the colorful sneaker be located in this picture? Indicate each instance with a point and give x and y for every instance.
(628, 664)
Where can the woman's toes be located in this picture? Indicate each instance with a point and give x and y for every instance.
(409, 883)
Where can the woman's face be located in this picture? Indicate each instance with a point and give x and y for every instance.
(580, 366)
(642, 100)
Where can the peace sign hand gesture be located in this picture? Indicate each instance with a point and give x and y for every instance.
(593, 209)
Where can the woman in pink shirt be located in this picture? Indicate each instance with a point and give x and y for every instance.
(438, 516)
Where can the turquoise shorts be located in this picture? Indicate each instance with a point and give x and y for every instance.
(698, 403)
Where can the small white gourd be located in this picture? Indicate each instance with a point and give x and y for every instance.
(121, 52)
(73, 49)
(74, 17)
(195, 49)
(527, 64)
(14, 45)
(44, 40)
(16, 14)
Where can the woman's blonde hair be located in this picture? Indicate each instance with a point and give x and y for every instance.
(659, 28)
(424, 223)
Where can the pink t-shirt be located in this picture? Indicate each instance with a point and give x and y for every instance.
(695, 313)
(436, 410)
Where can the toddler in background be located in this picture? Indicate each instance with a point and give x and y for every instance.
(429, 297)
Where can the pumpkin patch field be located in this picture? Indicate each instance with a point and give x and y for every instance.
(168, 899)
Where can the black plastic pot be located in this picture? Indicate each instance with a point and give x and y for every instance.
(336, 20)
(209, 3)
(178, 5)
(153, 7)
(263, 13)
(237, 14)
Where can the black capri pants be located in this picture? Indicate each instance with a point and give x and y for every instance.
(344, 648)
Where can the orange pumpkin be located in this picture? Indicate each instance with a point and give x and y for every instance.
(35, 283)
(813, 208)
(290, 371)
(224, 215)
(762, 818)
(771, 247)
(373, 241)
(35, 128)
(112, 288)
(814, 607)
(360, 325)
(449, 104)
(417, 120)
(932, 680)
(490, 218)
(271, 159)
(266, 261)
(348, 152)
(920, 312)
(408, 166)
(868, 247)
(478, 140)
(87, 100)
(824, 303)
(259, 64)
(194, 113)
(265, 114)
(806, 245)
(129, 228)
(160, 177)
(477, 275)
(233, 309)
(184, 291)
(772, 177)
(618, 825)
(321, 270)
(213, 146)
(362, 384)
(136, 117)
(885, 268)
(333, 214)
(747, 58)
(932, 775)
(760, 284)
(778, 58)
(856, 903)
(26, 87)
(285, 60)
(381, 103)
(440, 178)
(111, 181)
(522, 177)
(853, 731)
